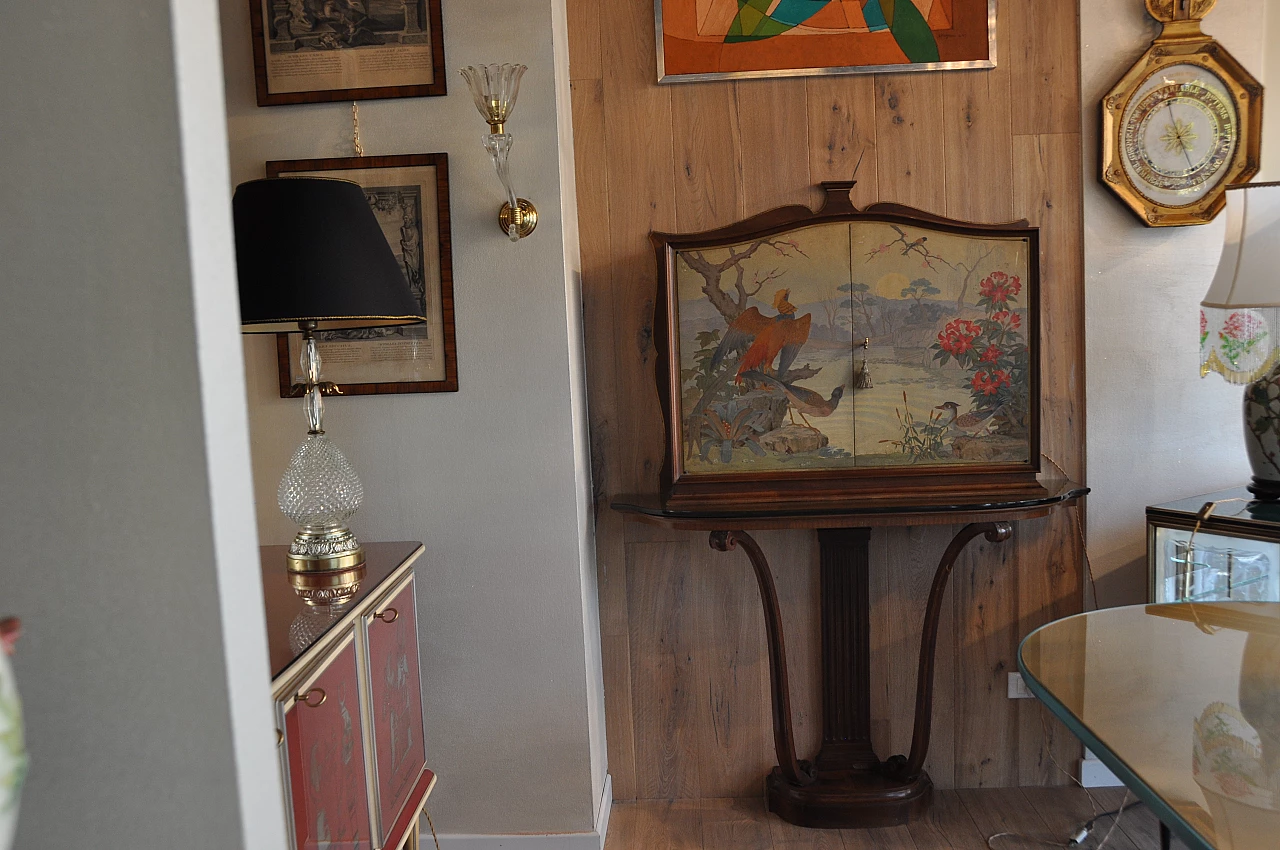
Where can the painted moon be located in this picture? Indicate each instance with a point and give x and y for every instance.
(1178, 135)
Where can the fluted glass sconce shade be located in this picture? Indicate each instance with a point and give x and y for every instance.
(310, 255)
(495, 89)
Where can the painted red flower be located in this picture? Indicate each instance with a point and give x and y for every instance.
(1204, 324)
(1240, 326)
(1008, 317)
(989, 383)
(958, 336)
(991, 355)
(999, 287)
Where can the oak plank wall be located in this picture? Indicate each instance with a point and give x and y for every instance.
(684, 653)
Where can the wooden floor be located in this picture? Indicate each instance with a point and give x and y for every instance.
(962, 820)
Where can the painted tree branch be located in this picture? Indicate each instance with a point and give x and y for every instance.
(729, 306)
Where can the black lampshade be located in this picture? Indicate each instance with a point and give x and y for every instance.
(309, 249)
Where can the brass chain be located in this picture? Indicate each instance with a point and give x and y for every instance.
(355, 128)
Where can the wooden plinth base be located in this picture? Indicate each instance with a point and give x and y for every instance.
(863, 800)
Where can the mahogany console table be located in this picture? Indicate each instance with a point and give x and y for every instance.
(847, 785)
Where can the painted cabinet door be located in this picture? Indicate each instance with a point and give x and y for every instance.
(326, 756)
(396, 695)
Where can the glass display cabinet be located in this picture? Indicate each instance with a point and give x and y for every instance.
(1230, 551)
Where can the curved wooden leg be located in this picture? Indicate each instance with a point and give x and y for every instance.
(783, 736)
(911, 767)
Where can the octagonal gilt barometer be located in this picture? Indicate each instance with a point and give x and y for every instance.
(1184, 123)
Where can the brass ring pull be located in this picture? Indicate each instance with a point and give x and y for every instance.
(305, 698)
(388, 616)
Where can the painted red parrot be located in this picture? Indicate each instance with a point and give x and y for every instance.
(765, 339)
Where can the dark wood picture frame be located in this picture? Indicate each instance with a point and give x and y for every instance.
(434, 40)
(895, 485)
(447, 334)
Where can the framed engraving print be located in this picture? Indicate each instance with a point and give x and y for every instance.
(310, 51)
(725, 39)
(410, 197)
(815, 355)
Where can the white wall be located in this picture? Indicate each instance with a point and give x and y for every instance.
(1271, 111)
(1156, 430)
(495, 478)
(129, 552)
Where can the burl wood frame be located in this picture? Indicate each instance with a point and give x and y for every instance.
(896, 485)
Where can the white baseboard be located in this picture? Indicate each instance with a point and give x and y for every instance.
(1095, 774)
(593, 840)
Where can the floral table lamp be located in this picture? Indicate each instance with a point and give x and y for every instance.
(1239, 321)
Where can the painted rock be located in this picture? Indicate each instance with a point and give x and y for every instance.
(13, 751)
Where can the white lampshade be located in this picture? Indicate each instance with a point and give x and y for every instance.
(1240, 315)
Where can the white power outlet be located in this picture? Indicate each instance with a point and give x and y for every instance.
(1018, 687)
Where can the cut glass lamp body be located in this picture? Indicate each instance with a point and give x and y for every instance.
(320, 490)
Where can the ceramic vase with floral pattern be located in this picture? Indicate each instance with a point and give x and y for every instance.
(13, 752)
(1262, 433)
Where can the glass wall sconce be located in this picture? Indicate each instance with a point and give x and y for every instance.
(495, 88)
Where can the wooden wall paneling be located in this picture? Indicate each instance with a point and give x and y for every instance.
(882, 645)
(585, 61)
(793, 555)
(601, 356)
(978, 143)
(1048, 589)
(910, 137)
(641, 200)
(708, 148)
(842, 129)
(1043, 51)
(733, 754)
(1049, 194)
(986, 600)
(667, 669)
(774, 125)
(910, 556)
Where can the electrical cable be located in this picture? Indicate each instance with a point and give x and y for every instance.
(433, 827)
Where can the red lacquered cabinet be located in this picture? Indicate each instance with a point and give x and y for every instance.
(348, 696)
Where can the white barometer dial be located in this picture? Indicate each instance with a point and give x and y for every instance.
(1178, 135)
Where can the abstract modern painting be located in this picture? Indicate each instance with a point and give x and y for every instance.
(720, 39)
(868, 343)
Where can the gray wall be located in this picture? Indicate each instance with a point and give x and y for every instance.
(123, 441)
(495, 478)
(1156, 430)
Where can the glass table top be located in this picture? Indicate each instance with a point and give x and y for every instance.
(1182, 702)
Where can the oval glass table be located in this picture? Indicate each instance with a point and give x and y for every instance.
(1182, 702)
